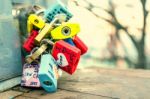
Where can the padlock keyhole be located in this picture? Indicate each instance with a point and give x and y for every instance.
(66, 31)
(48, 83)
(36, 21)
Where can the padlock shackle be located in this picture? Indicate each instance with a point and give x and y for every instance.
(47, 41)
(36, 9)
(36, 54)
(59, 17)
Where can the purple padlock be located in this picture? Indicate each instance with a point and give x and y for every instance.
(30, 75)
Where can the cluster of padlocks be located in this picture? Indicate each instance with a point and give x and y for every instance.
(52, 46)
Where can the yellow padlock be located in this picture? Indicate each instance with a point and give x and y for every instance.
(43, 33)
(34, 20)
(49, 27)
(29, 26)
(64, 31)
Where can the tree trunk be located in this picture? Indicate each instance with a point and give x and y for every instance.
(141, 62)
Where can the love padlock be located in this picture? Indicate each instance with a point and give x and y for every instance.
(34, 55)
(80, 44)
(64, 31)
(34, 21)
(48, 27)
(29, 43)
(66, 55)
(57, 9)
(30, 75)
(48, 73)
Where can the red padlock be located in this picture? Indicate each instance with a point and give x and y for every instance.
(80, 44)
(29, 43)
(66, 55)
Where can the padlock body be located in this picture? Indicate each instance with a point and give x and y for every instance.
(64, 31)
(66, 55)
(44, 31)
(29, 26)
(34, 20)
(69, 41)
(48, 73)
(56, 9)
(36, 54)
(29, 43)
(30, 75)
(80, 44)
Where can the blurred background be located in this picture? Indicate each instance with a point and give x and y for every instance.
(115, 31)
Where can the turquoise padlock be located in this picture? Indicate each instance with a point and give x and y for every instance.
(48, 73)
(58, 8)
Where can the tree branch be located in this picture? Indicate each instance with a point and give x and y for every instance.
(113, 22)
(90, 7)
(120, 26)
(132, 38)
(145, 13)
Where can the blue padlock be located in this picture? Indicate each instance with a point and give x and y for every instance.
(58, 8)
(70, 41)
(48, 73)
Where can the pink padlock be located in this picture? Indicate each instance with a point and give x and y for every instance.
(30, 75)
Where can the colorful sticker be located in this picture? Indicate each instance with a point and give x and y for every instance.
(30, 75)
